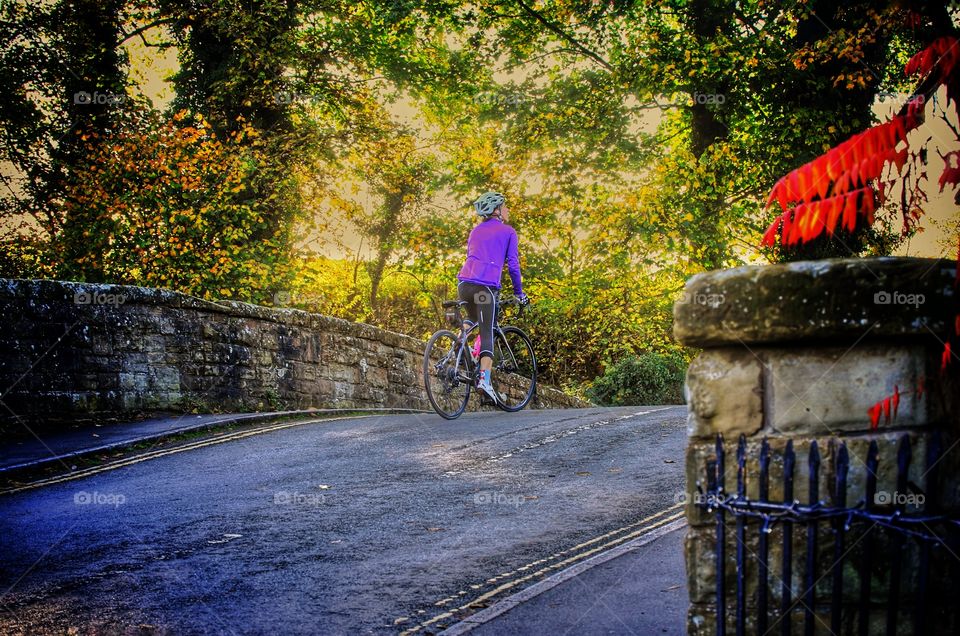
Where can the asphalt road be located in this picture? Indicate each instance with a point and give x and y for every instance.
(382, 524)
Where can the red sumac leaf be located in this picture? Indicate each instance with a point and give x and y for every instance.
(874, 413)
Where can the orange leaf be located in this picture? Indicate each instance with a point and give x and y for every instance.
(850, 212)
(778, 194)
(788, 231)
(818, 172)
(836, 207)
(770, 236)
(793, 186)
(834, 169)
(874, 413)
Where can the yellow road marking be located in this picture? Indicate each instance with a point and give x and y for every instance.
(560, 564)
(229, 437)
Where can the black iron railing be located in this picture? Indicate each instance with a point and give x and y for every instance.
(909, 514)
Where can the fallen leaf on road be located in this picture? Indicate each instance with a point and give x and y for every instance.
(583, 473)
(614, 470)
(672, 587)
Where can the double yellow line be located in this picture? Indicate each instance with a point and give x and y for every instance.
(136, 459)
(577, 553)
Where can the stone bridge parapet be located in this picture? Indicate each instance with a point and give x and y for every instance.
(73, 350)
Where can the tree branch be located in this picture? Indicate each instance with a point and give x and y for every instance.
(550, 26)
(146, 27)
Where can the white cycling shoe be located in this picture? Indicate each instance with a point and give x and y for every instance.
(490, 392)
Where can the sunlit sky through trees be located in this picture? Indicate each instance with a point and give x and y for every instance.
(151, 69)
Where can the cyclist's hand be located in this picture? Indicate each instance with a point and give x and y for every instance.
(523, 299)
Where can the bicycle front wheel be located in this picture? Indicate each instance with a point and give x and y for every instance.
(514, 369)
(445, 375)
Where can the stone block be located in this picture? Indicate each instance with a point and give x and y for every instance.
(164, 379)
(725, 393)
(819, 391)
(831, 299)
(377, 377)
(340, 372)
(101, 345)
(133, 382)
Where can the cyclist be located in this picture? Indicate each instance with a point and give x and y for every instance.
(491, 243)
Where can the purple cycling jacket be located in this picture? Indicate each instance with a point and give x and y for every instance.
(490, 244)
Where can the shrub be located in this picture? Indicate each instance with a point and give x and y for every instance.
(649, 378)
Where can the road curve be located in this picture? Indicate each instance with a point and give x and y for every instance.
(381, 524)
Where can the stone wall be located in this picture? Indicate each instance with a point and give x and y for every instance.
(70, 350)
(805, 352)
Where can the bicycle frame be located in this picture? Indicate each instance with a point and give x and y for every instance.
(463, 348)
(458, 359)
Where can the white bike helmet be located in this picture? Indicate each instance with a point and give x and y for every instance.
(488, 202)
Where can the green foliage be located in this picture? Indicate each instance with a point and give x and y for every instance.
(329, 152)
(62, 75)
(650, 378)
(165, 203)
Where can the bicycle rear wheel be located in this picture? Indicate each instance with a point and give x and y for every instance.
(445, 375)
(514, 369)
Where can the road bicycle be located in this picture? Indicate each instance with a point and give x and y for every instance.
(451, 370)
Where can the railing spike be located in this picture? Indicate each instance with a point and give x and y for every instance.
(786, 590)
(813, 498)
(841, 466)
(763, 548)
(741, 618)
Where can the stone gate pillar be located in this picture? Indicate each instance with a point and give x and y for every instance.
(841, 352)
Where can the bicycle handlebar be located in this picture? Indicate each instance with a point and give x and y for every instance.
(514, 301)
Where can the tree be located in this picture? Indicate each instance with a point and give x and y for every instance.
(63, 80)
(160, 199)
(399, 177)
(847, 185)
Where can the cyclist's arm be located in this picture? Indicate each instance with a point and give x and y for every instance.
(513, 264)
